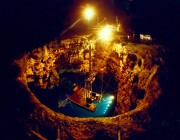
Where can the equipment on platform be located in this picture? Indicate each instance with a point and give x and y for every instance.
(85, 98)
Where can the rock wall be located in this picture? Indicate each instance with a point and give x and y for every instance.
(137, 68)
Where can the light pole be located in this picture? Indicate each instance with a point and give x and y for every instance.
(90, 59)
(89, 13)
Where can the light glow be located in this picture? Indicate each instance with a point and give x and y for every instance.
(110, 102)
(111, 97)
(89, 13)
(105, 33)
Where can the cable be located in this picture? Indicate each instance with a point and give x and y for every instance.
(107, 83)
(102, 83)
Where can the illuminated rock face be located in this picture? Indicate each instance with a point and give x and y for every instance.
(137, 67)
(137, 72)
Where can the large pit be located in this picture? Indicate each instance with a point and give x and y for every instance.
(132, 73)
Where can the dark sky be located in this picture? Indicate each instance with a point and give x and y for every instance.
(39, 21)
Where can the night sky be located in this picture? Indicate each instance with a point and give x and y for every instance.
(25, 25)
(38, 22)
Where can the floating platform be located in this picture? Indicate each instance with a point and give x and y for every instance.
(80, 97)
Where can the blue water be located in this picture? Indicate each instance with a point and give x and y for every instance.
(56, 98)
(104, 108)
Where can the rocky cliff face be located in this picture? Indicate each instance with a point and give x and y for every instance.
(138, 70)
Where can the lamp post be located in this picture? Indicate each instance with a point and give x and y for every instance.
(90, 59)
(89, 13)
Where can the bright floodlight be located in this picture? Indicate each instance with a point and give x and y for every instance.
(105, 33)
(89, 13)
(111, 97)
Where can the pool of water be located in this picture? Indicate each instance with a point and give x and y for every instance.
(56, 98)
